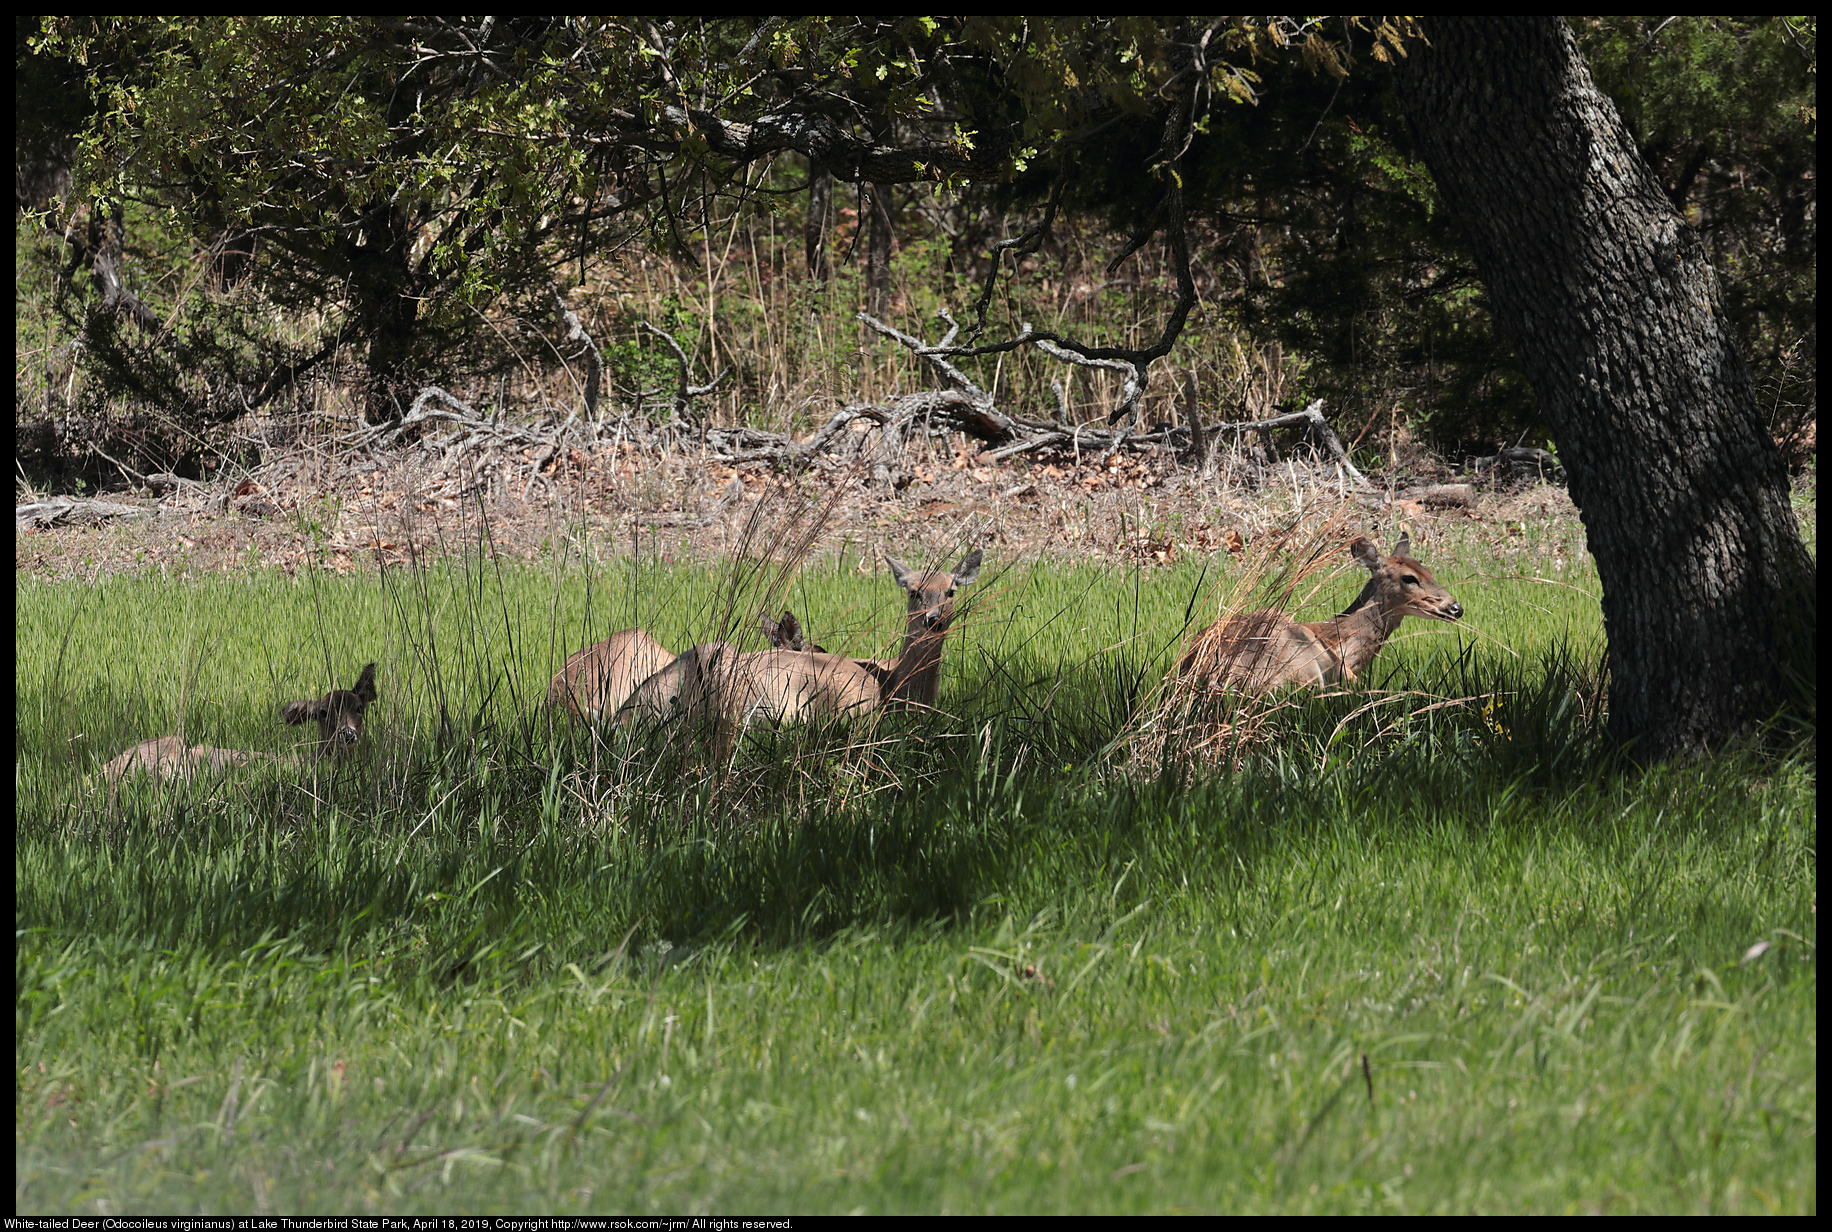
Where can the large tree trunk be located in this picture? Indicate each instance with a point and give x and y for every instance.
(384, 290)
(1708, 591)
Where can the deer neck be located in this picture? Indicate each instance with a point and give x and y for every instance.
(1356, 636)
(915, 675)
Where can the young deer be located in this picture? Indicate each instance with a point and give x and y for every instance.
(340, 720)
(339, 714)
(596, 681)
(1259, 651)
(788, 682)
(166, 757)
(786, 634)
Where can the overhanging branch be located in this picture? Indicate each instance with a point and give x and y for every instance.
(846, 157)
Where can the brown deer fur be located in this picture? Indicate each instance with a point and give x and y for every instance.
(1260, 651)
(787, 683)
(596, 681)
(339, 714)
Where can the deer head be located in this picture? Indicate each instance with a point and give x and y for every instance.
(339, 714)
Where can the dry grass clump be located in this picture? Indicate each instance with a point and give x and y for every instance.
(1195, 717)
(753, 769)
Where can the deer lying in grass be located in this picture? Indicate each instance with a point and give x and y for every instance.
(675, 690)
(339, 714)
(596, 681)
(729, 690)
(1259, 651)
(167, 757)
(914, 676)
(717, 685)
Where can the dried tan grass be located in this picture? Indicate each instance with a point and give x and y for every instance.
(1194, 717)
(832, 758)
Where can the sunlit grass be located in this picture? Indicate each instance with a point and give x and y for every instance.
(1430, 948)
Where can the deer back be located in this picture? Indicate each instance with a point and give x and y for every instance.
(678, 690)
(596, 681)
(785, 686)
(167, 757)
(1259, 651)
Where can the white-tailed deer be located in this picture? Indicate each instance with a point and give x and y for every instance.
(167, 757)
(339, 714)
(786, 634)
(596, 681)
(673, 691)
(914, 676)
(1259, 651)
(714, 687)
(791, 681)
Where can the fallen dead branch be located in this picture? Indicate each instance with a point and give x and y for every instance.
(68, 511)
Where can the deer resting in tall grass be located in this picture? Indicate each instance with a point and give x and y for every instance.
(168, 757)
(339, 715)
(914, 676)
(717, 685)
(596, 681)
(1256, 652)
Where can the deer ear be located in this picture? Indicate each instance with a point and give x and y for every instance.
(1404, 546)
(1366, 553)
(900, 572)
(968, 571)
(365, 685)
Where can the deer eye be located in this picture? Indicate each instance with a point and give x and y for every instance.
(1409, 580)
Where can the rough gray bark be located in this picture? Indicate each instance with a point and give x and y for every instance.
(1708, 591)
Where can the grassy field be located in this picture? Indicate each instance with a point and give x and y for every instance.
(1425, 947)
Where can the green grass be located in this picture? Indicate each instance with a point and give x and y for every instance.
(991, 965)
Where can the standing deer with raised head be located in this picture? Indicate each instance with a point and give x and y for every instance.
(784, 684)
(1259, 651)
(596, 681)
